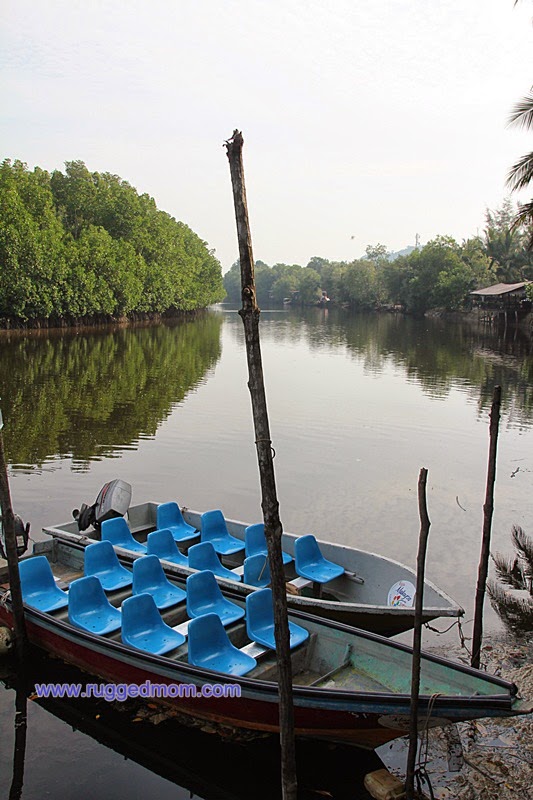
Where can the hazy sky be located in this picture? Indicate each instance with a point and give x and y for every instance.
(364, 121)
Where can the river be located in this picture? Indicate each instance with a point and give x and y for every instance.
(358, 404)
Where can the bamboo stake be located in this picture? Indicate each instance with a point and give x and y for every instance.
(417, 636)
(8, 524)
(488, 509)
(250, 316)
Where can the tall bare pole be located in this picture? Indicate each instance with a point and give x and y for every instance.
(269, 502)
(417, 635)
(488, 510)
(8, 525)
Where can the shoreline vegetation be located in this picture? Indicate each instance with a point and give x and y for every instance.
(84, 249)
(436, 277)
(85, 246)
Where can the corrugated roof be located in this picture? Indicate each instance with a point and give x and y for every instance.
(500, 288)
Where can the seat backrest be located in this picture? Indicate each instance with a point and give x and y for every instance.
(203, 556)
(35, 575)
(206, 636)
(213, 525)
(259, 611)
(169, 514)
(161, 543)
(202, 591)
(86, 594)
(148, 574)
(254, 539)
(99, 556)
(140, 614)
(256, 570)
(306, 550)
(116, 530)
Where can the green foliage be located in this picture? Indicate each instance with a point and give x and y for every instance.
(505, 243)
(83, 243)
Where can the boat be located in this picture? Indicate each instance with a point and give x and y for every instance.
(370, 591)
(349, 686)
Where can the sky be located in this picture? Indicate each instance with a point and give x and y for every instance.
(364, 121)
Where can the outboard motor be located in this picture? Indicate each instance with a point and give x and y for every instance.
(22, 535)
(113, 501)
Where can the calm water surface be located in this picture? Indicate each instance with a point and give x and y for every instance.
(358, 404)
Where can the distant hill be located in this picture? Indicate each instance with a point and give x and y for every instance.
(405, 252)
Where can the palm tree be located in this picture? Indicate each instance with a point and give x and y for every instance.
(514, 607)
(521, 174)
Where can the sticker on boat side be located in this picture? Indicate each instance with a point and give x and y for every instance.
(402, 594)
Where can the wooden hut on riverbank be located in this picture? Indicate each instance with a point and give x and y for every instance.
(502, 302)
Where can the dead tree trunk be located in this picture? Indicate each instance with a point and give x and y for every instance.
(265, 455)
(488, 510)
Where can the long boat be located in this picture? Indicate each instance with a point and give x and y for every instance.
(373, 592)
(350, 686)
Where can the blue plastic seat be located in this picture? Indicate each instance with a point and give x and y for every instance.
(210, 647)
(89, 608)
(38, 586)
(214, 530)
(255, 542)
(149, 578)
(256, 570)
(101, 560)
(163, 545)
(117, 532)
(204, 597)
(203, 556)
(143, 627)
(311, 564)
(169, 516)
(260, 621)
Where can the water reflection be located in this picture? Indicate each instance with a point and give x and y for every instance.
(438, 354)
(77, 748)
(89, 394)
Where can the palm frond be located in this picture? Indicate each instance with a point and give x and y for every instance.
(515, 612)
(525, 217)
(509, 571)
(524, 547)
(522, 113)
(521, 174)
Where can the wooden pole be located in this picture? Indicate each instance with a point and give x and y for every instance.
(21, 727)
(8, 525)
(417, 636)
(250, 316)
(488, 509)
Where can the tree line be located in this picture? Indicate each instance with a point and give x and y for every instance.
(85, 244)
(439, 275)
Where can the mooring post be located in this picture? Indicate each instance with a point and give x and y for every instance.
(488, 509)
(417, 634)
(10, 540)
(250, 316)
(21, 727)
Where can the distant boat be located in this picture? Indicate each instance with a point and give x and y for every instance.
(350, 686)
(371, 592)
